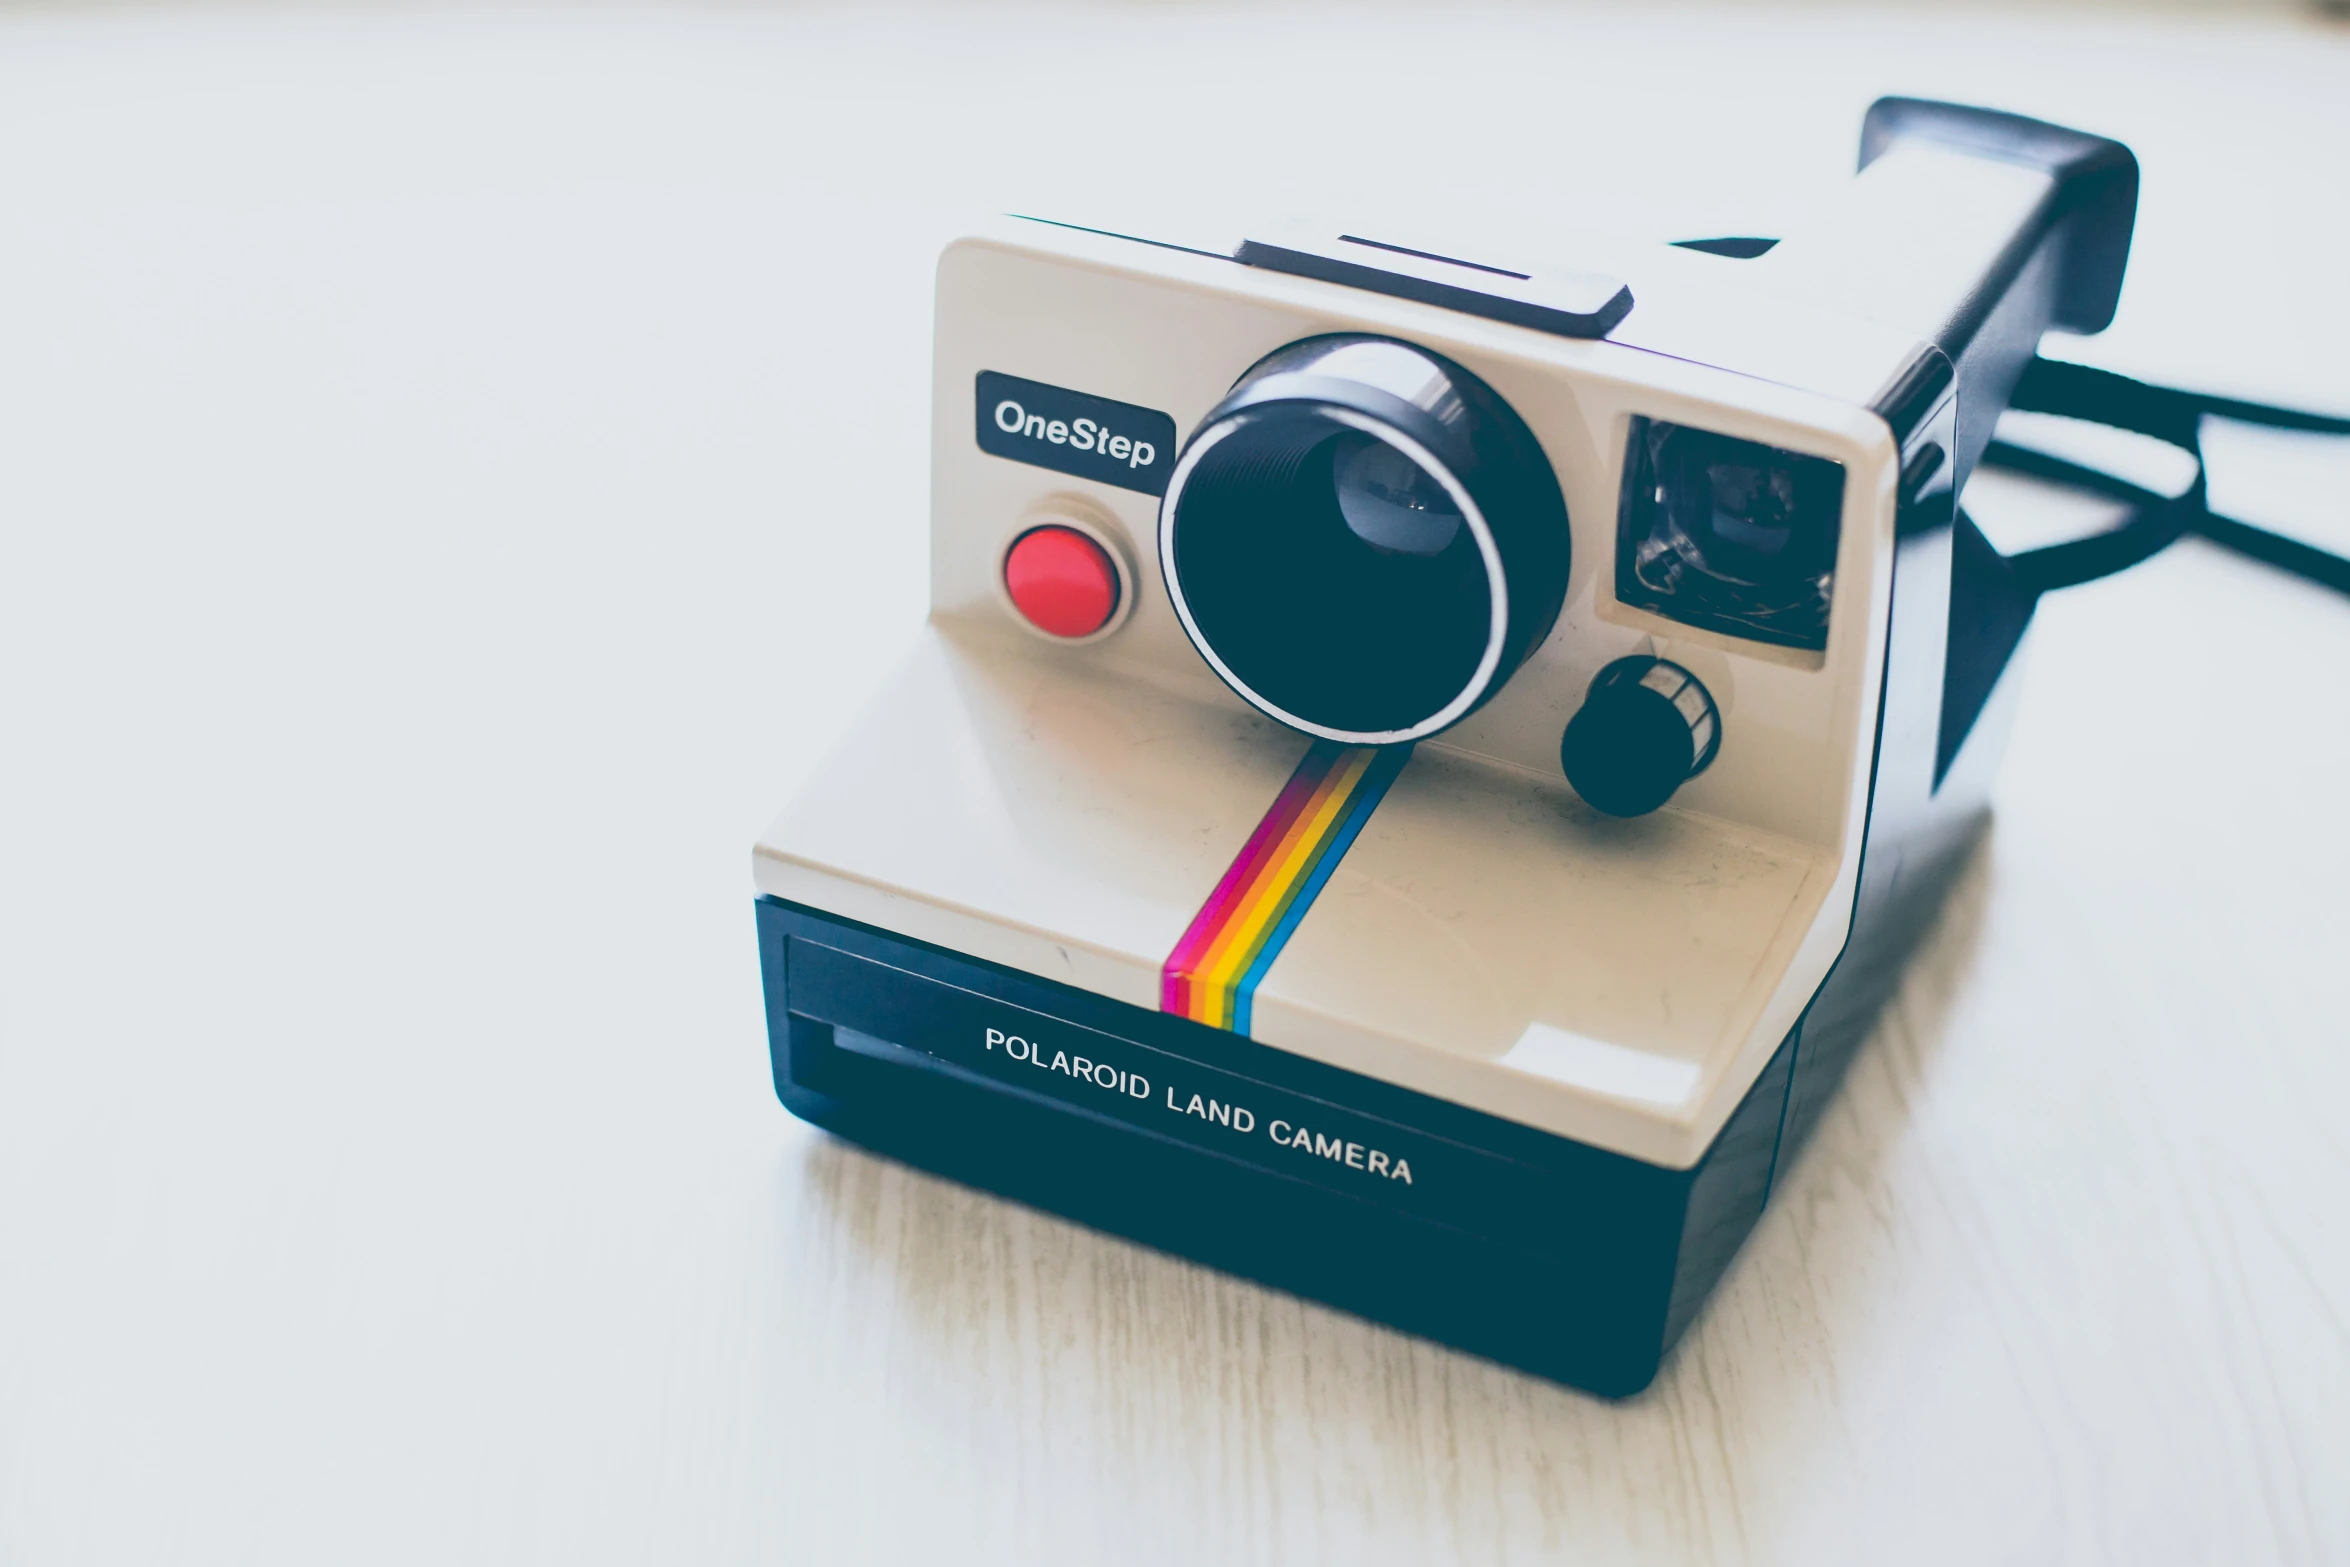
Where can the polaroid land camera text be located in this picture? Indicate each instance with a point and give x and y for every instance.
(1310, 611)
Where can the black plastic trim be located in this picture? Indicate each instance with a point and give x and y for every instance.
(1914, 395)
(1562, 303)
(2097, 189)
(1738, 247)
(1570, 1261)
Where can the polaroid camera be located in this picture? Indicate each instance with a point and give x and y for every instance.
(1422, 767)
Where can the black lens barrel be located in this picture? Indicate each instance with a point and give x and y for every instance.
(1366, 596)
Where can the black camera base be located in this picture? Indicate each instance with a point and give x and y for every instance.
(1566, 1260)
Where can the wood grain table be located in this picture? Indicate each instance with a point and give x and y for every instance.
(458, 468)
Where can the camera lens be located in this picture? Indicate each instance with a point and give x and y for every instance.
(1390, 502)
(1363, 540)
(1727, 534)
(1322, 589)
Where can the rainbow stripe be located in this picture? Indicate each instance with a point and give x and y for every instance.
(1211, 976)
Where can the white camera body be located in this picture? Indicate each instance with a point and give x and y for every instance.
(1066, 809)
(1476, 1003)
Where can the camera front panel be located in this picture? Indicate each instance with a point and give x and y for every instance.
(1792, 669)
(1059, 781)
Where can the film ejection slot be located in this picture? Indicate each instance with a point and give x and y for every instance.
(1560, 301)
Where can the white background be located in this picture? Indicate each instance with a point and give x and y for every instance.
(457, 469)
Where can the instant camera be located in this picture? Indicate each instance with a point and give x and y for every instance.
(1422, 764)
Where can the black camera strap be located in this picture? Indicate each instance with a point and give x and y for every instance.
(2155, 520)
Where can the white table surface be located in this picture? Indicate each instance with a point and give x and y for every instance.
(457, 469)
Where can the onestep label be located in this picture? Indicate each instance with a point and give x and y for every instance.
(1075, 433)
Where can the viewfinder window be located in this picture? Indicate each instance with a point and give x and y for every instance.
(1729, 535)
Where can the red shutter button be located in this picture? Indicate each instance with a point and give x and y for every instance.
(1064, 582)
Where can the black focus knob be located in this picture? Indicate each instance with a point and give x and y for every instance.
(1646, 727)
